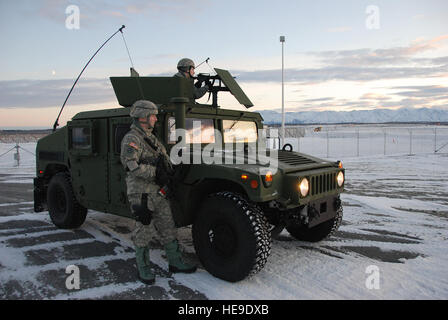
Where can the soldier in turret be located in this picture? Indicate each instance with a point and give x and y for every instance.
(141, 156)
(186, 68)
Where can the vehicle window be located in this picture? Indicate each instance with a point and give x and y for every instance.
(198, 130)
(81, 138)
(239, 131)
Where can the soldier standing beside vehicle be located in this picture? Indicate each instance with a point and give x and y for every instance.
(141, 156)
(186, 68)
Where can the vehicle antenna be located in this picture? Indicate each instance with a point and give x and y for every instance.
(127, 49)
(134, 73)
(205, 61)
(211, 68)
(56, 123)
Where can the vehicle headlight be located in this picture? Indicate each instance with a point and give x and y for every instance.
(340, 178)
(304, 187)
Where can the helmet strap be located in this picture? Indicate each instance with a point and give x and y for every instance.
(147, 122)
(185, 70)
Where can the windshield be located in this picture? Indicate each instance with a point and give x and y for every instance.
(198, 130)
(239, 131)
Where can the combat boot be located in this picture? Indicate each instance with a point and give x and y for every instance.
(143, 265)
(176, 264)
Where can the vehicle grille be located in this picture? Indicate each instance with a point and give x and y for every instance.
(323, 183)
(293, 159)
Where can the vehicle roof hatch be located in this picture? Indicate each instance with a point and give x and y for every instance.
(159, 90)
(234, 87)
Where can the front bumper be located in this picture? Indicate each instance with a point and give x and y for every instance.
(322, 210)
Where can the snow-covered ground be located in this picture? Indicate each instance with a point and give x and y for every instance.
(27, 161)
(395, 223)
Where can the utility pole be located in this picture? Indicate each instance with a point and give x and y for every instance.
(282, 40)
(17, 154)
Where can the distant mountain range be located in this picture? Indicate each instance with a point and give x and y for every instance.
(358, 116)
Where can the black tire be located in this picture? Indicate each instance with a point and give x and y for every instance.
(231, 237)
(319, 232)
(65, 211)
(287, 146)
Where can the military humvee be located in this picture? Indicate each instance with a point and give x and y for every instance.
(235, 208)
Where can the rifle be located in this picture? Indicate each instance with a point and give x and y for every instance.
(164, 176)
(212, 89)
(164, 171)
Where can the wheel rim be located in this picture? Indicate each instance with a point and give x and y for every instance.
(223, 239)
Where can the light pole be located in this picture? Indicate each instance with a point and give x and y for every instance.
(282, 40)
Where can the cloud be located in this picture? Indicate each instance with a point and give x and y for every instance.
(422, 91)
(381, 57)
(49, 93)
(319, 99)
(363, 64)
(339, 29)
(374, 96)
(368, 104)
(367, 65)
(408, 97)
(92, 12)
(112, 13)
(333, 104)
(345, 73)
(419, 17)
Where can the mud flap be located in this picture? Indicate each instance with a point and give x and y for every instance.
(322, 210)
(39, 195)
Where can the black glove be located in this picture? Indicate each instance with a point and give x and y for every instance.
(209, 84)
(198, 83)
(141, 211)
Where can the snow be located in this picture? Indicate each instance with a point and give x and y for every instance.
(395, 218)
(23, 173)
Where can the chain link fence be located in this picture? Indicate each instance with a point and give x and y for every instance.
(326, 141)
(22, 136)
(363, 140)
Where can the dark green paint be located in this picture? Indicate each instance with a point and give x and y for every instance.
(98, 177)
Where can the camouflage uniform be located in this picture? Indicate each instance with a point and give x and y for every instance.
(138, 158)
(183, 67)
(140, 151)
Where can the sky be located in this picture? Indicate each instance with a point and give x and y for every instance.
(339, 55)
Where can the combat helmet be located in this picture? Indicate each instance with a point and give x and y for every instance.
(185, 64)
(143, 109)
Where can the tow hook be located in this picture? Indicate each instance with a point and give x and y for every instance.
(312, 212)
(304, 215)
